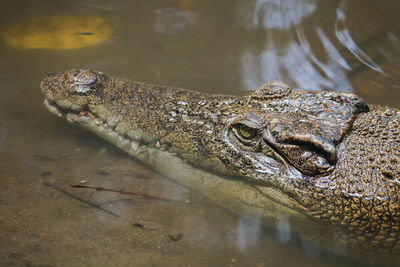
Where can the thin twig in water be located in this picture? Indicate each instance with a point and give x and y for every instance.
(144, 196)
(80, 199)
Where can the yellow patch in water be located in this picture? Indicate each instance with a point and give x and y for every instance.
(58, 32)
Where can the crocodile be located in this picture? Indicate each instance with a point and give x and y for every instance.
(326, 160)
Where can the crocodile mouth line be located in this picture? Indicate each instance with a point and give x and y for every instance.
(87, 119)
(73, 116)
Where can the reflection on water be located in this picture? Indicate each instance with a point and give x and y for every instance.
(248, 235)
(283, 228)
(291, 57)
(276, 14)
(344, 36)
(297, 61)
(214, 46)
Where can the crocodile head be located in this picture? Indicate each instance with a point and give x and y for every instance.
(325, 155)
(294, 136)
(271, 132)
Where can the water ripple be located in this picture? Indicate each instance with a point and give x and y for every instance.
(276, 14)
(344, 37)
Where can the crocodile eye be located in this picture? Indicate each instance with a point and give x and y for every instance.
(246, 132)
(246, 137)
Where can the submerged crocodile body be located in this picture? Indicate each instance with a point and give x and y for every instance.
(324, 158)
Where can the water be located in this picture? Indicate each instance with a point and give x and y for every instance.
(223, 47)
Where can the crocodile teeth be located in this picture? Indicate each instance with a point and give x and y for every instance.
(158, 145)
(53, 108)
(134, 145)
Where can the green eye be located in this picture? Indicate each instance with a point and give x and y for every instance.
(247, 132)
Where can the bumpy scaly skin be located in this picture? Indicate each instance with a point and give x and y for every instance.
(324, 154)
(362, 193)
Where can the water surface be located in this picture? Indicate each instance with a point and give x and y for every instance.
(211, 46)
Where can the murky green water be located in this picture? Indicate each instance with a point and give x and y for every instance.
(221, 46)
